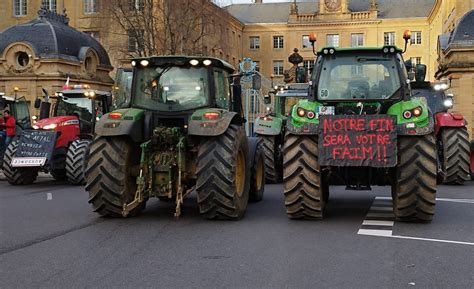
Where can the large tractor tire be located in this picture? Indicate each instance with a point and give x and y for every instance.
(76, 161)
(223, 176)
(414, 187)
(109, 178)
(472, 160)
(455, 155)
(305, 192)
(273, 159)
(59, 164)
(17, 176)
(257, 170)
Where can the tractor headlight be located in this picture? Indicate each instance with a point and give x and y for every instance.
(50, 126)
(301, 112)
(448, 102)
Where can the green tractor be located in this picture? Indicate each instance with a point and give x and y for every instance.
(183, 131)
(360, 126)
(270, 127)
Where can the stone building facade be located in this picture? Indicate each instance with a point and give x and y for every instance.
(45, 53)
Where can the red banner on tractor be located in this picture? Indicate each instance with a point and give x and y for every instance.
(358, 140)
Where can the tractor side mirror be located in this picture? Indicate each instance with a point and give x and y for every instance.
(109, 100)
(37, 103)
(45, 92)
(420, 73)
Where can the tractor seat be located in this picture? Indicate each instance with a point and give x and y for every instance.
(358, 89)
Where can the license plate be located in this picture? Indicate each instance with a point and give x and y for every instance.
(28, 162)
(325, 110)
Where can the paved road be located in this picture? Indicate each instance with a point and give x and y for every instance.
(51, 239)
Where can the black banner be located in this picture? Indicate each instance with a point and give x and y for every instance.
(36, 143)
(357, 140)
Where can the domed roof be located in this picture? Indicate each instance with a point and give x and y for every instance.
(463, 35)
(50, 36)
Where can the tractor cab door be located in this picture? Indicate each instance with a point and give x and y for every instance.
(21, 113)
(122, 90)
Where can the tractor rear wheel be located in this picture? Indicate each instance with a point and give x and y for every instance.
(414, 187)
(76, 161)
(305, 193)
(257, 174)
(455, 155)
(273, 162)
(223, 176)
(109, 178)
(17, 176)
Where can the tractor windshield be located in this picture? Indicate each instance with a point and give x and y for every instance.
(78, 106)
(172, 88)
(352, 76)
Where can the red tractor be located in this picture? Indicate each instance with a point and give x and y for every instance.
(454, 160)
(59, 141)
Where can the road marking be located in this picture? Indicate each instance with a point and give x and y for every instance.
(49, 196)
(380, 219)
(432, 240)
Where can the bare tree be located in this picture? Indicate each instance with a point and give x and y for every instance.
(162, 27)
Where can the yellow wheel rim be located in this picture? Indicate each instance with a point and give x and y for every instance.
(259, 174)
(240, 173)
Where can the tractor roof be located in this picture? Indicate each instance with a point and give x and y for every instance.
(360, 49)
(185, 61)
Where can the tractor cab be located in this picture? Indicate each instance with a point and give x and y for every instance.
(18, 107)
(76, 109)
(181, 84)
(359, 75)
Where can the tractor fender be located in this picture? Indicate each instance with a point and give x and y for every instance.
(306, 129)
(215, 127)
(119, 127)
(448, 119)
(268, 125)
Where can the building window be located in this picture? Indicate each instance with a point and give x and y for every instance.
(357, 70)
(389, 38)
(357, 39)
(415, 37)
(332, 40)
(278, 42)
(254, 42)
(49, 4)
(136, 5)
(305, 42)
(133, 44)
(278, 67)
(415, 61)
(19, 8)
(90, 6)
(308, 64)
(93, 34)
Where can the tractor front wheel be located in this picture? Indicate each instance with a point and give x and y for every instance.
(109, 178)
(76, 161)
(257, 173)
(17, 176)
(273, 159)
(305, 192)
(414, 187)
(223, 176)
(455, 155)
(59, 164)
